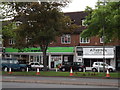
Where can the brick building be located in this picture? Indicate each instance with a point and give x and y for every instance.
(68, 48)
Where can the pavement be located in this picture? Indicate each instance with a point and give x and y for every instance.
(62, 80)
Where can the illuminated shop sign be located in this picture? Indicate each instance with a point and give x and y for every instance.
(98, 51)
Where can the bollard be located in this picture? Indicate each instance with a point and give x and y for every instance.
(5, 69)
(56, 69)
(71, 72)
(38, 72)
(27, 69)
(10, 71)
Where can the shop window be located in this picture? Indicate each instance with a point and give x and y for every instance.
(84, 40)
(11, 41)
(7, 55)
(55, 61)
(66, 39)
(65, 58)
(80, 53)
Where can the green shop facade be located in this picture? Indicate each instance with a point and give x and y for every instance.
(55, 55)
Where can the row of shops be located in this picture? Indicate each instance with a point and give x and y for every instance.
(58, 55)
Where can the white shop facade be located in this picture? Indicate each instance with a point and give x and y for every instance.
(90, 54)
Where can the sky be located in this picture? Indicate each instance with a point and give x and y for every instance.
(79, 5)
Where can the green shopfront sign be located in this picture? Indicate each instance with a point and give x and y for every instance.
(50, 49)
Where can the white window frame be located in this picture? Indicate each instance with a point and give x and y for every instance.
(16, 24)
(28, 39)
(11, 41)
(101, 40)
(66, 39)
(84, 40)
(83, 20)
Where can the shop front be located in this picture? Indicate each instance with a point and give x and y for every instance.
(55, 55)
(92, 54)
(57, 60)
(118, 58)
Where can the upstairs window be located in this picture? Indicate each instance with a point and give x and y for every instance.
(28, 39)
(101, 40)
(16, 24)
(66, 39)
(11, 41)
(84, 40)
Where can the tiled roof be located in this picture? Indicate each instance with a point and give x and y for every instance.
(77, 17)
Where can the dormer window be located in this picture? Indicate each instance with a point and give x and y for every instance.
(73, 21)
(83, 22)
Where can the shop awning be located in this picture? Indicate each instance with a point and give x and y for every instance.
(49, 50)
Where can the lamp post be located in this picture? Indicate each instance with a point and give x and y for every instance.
(104, 41)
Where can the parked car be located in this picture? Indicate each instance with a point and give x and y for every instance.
(99, 65)
(13, 63)
(35, 65)
(76, 66)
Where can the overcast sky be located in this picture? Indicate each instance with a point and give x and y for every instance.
(79, 5)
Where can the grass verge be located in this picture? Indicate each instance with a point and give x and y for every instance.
(64, 74)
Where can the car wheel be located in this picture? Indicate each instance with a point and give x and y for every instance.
(110, 70)
(63, 69)
(94, 70)
(80, 69)
(22, 69)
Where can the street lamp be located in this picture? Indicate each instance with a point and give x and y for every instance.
(104, 42)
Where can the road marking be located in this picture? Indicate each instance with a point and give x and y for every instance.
(72, 79)
(9, 77)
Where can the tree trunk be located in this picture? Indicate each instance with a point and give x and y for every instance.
(45, 60)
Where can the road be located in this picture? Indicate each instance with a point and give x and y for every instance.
(61, 80)
(38, 85)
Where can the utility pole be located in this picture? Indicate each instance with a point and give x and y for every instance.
(104, 41)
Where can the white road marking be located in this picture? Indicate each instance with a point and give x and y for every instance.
(72, 79)
(9, 77)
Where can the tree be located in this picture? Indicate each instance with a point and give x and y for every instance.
(40, 24)
(106, 16)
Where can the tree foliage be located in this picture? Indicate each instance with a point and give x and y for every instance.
(104, 17)
(40, 24)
